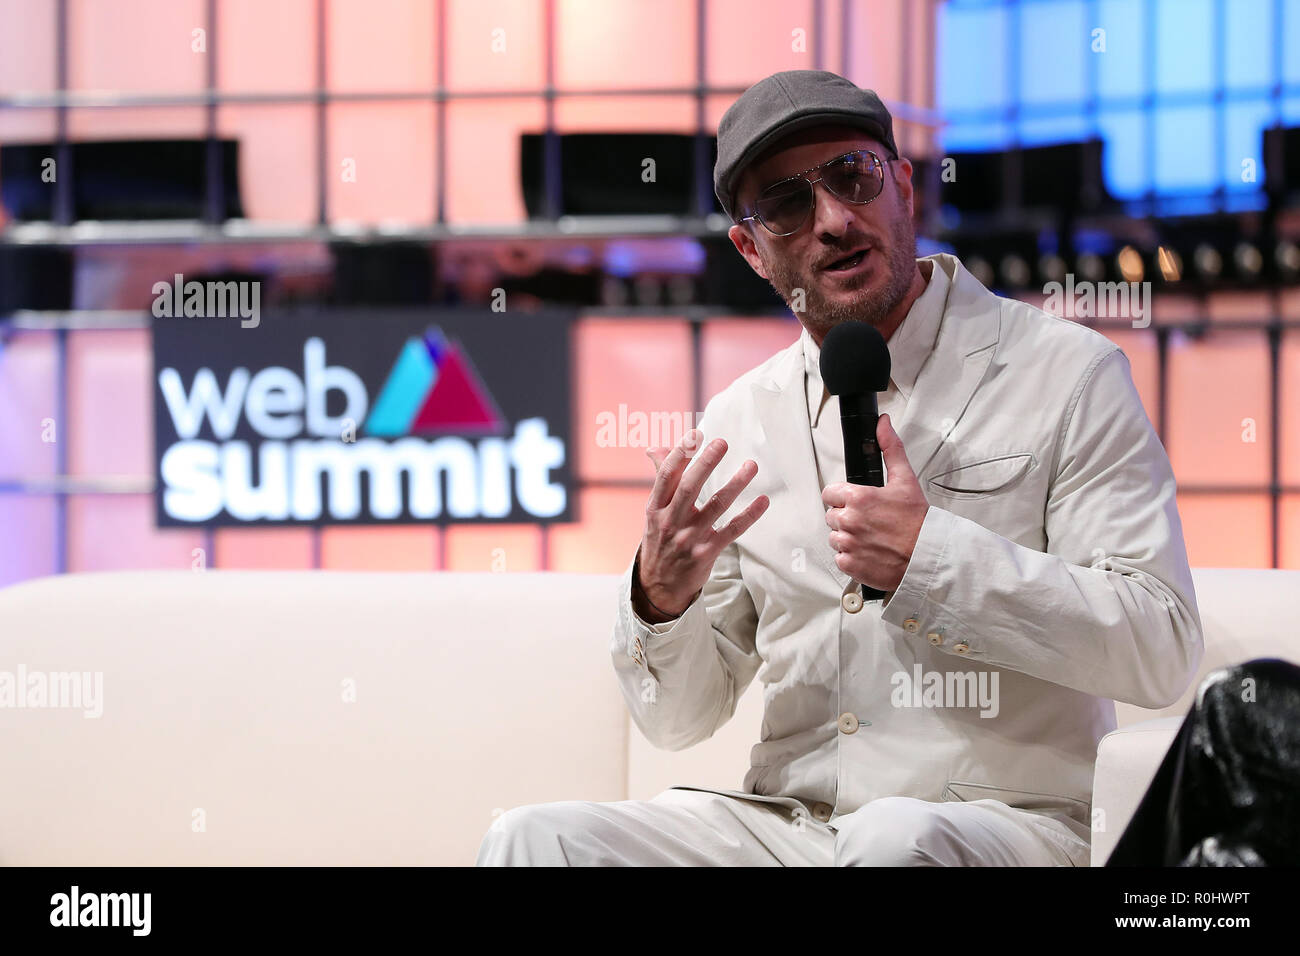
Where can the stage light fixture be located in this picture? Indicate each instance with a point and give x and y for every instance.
(1015, 271)
(980, 269)
(1129, 263)
(1170, 262)
(613, 292)
(647, 289)
(1287, 257)
(1052, 268)
(1248, 260)
(1209, 263)
(1089, 266)
(681, 289)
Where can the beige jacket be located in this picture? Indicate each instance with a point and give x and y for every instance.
(1051, 567)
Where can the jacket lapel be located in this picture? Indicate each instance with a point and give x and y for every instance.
(964, 347)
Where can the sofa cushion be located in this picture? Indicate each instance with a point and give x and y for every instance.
(225, 700)
(1127, 761)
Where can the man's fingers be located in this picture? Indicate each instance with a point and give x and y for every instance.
(836, 494)
(728, 493)
(691, 483)
(669, 469)
(741, 523)
(891, 450)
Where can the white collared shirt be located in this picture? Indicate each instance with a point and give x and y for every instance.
(909, 347)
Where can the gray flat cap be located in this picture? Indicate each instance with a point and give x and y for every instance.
(783, 103)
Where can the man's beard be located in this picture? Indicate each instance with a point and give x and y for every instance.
(821, 314)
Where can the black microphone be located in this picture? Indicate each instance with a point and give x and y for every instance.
(855, 366)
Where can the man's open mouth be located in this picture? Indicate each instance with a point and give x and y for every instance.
(848, 262)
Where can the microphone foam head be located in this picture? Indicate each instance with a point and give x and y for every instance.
(854, 359)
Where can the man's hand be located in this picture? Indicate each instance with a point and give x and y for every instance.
(680, 545)
(874, 530)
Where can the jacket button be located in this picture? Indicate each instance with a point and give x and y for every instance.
(821, 811)
(961, 648)
(935, 638)
(852, 602)
(911, 625)
(848, 724)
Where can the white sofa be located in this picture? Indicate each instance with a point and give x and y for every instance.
(355, 718)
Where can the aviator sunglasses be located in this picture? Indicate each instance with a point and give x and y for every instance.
(856, 177)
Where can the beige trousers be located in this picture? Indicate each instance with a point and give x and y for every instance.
(697, 828)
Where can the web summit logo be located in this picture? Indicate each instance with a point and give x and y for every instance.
(433, 389)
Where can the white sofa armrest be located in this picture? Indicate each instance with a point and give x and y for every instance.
(1127, 761)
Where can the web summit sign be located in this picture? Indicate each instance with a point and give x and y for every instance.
(366, 418)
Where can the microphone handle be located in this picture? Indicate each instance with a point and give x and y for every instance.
(863, 464)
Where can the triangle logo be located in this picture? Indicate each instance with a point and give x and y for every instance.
(458, 401)
(433, 388)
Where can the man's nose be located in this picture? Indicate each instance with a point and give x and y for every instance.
(832, 216)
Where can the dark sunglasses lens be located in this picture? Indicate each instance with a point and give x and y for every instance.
(857, 178)
(783, 207)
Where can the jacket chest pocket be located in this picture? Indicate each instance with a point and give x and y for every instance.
(980, 479)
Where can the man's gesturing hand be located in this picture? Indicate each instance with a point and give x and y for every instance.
(679, 544)
(874, 530)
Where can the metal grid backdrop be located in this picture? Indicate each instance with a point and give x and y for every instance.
(703, 223)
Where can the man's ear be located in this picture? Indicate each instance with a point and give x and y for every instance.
(903, 176)
(743, 240)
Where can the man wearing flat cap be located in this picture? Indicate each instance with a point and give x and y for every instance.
(1026, 542)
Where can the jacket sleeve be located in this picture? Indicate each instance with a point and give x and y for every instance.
(682, 679)
(1109, 608)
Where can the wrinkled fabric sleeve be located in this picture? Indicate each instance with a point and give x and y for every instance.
(683, 678)
(1109, 608)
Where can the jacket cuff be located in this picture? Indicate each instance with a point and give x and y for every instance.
(639, 631)
(911, 605)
